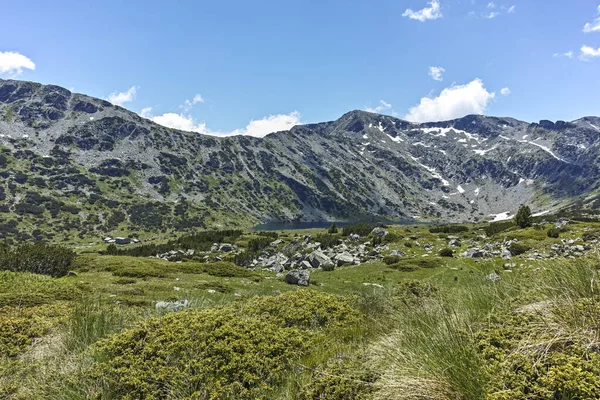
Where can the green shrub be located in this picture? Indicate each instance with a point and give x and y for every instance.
(223, 352)
(361, 229)
(332, 229)
(389, 260)
(448, 229)
(327, 240)
(408, 244)
(517, 249)
(446, 252)
(523, 217)
(37, 258)
(497, 227)
(553, 233)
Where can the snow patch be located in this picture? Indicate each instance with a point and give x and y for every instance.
(380, 127)
(546, 149)
(476, 191)
(501, 216)
(483, 152)
(396, 139)
(460, 189)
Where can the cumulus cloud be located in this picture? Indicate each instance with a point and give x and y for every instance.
(436, 73)
(120, 98)
(270, 124)
(453, 102)
(568, 54)
(427, 13)
(381, 107)
(505, 91)
(258, 128)
(593, 26)
(588, 52)
(12, 63)
(188, 104)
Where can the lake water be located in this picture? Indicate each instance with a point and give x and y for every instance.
(280, 226)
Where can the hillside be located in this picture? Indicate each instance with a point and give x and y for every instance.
(73, 165)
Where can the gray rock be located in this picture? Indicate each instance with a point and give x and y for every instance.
(454, 243)
(122, 240)
(172, 305)
(319, 259)
(304, 265)
(493, 277)
(71, 273)
(475, 253)
(397, 253)
(379, 232)
(297, 277)
(344, 259)
(226, 247)
(505, 254)
(354, 237)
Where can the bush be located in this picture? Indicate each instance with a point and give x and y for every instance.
(448, 229)
(224, 352)
(389, 260)
(327, 240)
(446, 252)
(361, 229)
(37, 258)
(332, 229)
(553, 233)
(523, 217)
(497, 227)
(518, 249)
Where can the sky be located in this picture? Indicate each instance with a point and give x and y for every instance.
(253, 67)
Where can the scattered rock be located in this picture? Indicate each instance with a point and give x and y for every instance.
(297, 277)
(379, 232)
(172, 305)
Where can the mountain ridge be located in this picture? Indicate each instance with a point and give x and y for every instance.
(361, 166)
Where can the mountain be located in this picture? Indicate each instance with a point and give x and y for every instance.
(76, 165)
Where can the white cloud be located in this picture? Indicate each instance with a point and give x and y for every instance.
(505, 91)
(187, 105)
(436, 73)
(257, 128)
(491, 5)
(588, 52)
(511, 10)
(491, 15)
(593, 26)
(123, 97)
(427, 13)
(270, 124)
(453, 102)
(381, 107)
(568, 54)
(146, 112)
(13, 63)
(179, 121)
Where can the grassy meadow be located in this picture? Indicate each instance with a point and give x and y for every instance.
(417, 326)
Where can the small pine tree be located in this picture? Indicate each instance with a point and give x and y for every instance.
(333, 229)
(523, 217)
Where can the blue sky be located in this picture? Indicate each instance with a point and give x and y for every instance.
(253, 67)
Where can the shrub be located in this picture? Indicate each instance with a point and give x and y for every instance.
(327, 240)
(448, 229)
(389, 260)
(332, 229)
(257, 244)
(523, 217)
(518, 249)
(37, 258)
(446, 252)
(223, 352)
(497, 227)
(408, 244)
(361, 229)
(553, 233)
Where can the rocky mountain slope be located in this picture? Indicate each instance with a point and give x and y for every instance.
(72, 164)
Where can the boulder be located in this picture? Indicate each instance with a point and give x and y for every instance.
(297, 277)
(318, 259)
(475, 253)
(71, 273)
(344, 259)
(354, 237)
(172, 305)
(305, 265)
(379, 232)
(276, 243)
(454, 243)
(505, 254)
(122, 240)
(397, 253)
(226, 247)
